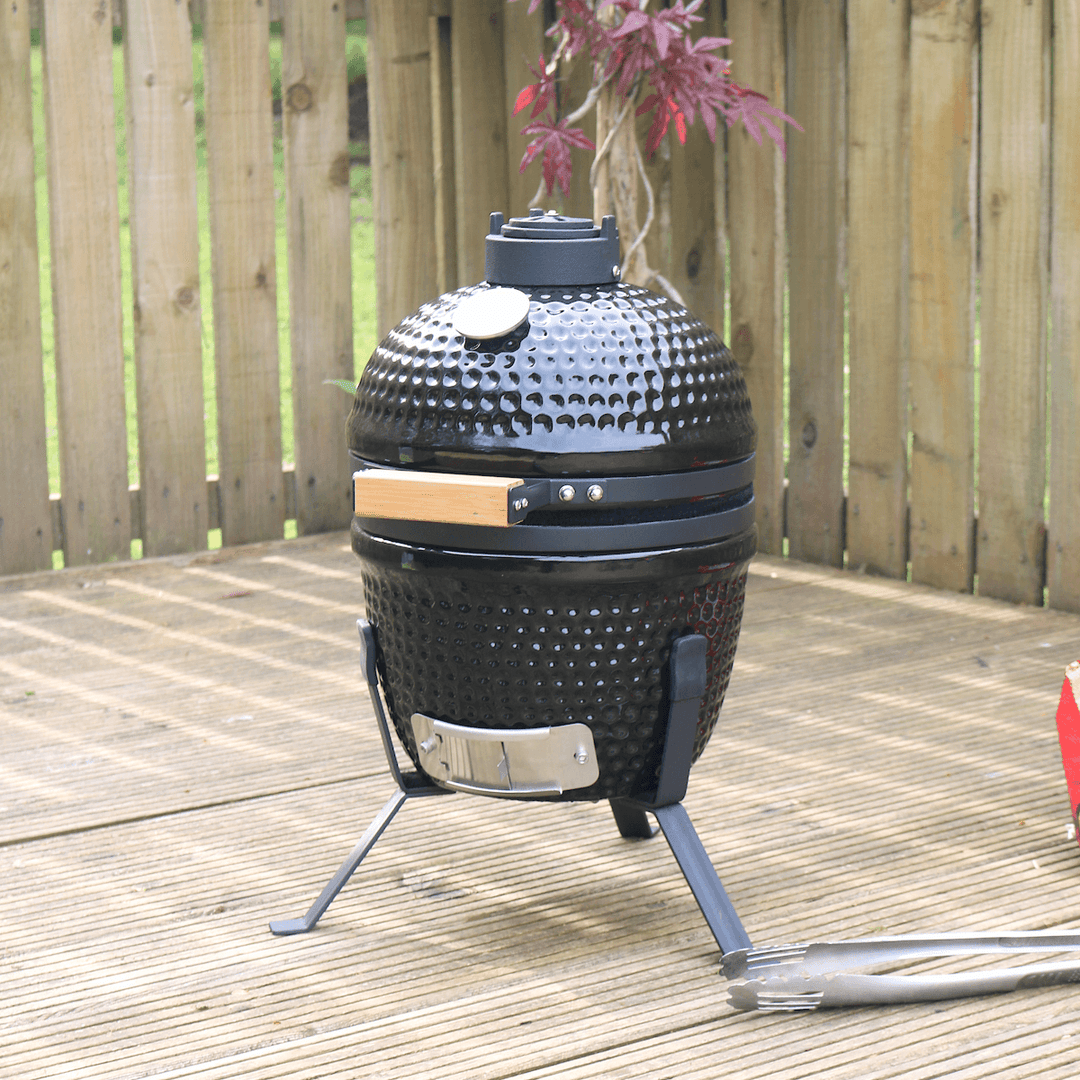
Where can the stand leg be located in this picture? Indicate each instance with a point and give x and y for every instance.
(686, 686)
(687, 683)
(632, 821)
(702, 878)
(410, 785)
(687, 680)
(335, 884)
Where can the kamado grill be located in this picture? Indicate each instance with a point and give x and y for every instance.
(554, 517)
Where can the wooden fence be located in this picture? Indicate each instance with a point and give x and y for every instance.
(173, 506)
(919, 252)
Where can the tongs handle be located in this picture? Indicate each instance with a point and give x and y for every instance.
(792, 993)
(825, 957)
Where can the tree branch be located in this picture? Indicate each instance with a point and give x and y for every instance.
(668, 287)
(640, 238)
(538, 197)
(589, 102)
(650, 275)
(606, 145)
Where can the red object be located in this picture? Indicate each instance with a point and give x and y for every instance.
(1068, 723)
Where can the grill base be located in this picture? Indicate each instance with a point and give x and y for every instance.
(498, 641)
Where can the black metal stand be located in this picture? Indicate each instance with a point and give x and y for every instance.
(687, 686)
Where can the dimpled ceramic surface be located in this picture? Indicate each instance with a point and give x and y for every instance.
(605, 379)
(510, 642)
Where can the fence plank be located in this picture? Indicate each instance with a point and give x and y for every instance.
(1063, 547)
(941, 292)
(316, 135)
(757, 238)
(242, 231)
(523, 42)
(25, 525)
(480, 125)
(572, 94)
(402, 163)
(165, 277)
(877, 467)
(815, 221)
(1012, 366)
(695, 267)
(442, 132)
(85, 237)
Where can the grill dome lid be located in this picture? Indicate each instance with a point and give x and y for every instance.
(600, 378)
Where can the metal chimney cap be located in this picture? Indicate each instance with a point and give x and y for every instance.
(551, 249)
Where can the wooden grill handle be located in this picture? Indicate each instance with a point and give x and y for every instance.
(447, 498)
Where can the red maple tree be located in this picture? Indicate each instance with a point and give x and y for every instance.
(643, 56)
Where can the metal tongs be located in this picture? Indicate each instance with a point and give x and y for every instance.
(800, 978)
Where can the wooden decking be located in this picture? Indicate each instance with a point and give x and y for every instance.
(188, 752)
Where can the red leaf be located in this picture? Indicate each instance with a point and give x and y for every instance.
(524, 99)
(657, 131)
(707, 44)
(755, 112)
(577, 137)
(647, 105)
(634, 20)
(665, 35)
(556, 140)
(530, 153)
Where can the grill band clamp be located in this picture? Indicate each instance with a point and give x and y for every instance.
(381, 491)
(470, 510)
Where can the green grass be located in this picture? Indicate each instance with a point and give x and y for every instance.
(363, 255)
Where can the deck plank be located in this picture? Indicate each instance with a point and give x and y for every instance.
(886, 762)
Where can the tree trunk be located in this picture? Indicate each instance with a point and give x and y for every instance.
(615, 191)
(616, 181)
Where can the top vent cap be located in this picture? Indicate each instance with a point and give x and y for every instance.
(550, 249)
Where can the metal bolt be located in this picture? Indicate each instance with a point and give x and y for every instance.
(581, 757)
(517, 504)
(429, 744)
(567, 493)
(524, 503)
(615, 271)
(595, 493)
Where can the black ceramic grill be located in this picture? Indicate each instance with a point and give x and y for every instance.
(554, 516)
